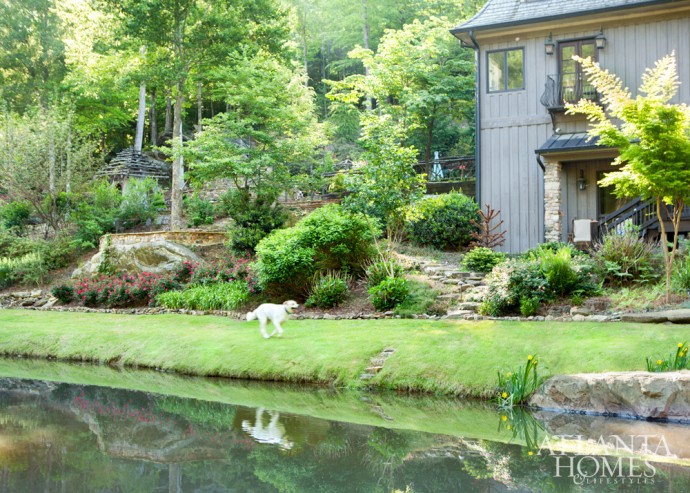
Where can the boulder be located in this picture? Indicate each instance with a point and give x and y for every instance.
(157, 257)
(639, 395)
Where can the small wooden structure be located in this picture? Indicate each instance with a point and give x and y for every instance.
(133, 164)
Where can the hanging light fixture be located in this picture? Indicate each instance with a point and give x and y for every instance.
(600, 39)
(549, 45)
(581, 182)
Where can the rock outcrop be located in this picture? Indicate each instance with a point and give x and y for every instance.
(639, 395)
(156, 256)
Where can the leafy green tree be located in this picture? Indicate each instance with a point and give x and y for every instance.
(653, 139)
(42, 160)
(386, 184)
(192, 32)
(268, 129)
(32, 52)
(420, 77)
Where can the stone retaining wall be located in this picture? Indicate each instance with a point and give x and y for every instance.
(192, 237)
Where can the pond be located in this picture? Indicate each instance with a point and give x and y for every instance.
(74, 428)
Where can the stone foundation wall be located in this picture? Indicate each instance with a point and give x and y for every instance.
(553, 214)
(186, 238)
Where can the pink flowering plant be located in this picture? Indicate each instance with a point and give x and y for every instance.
(125, 290)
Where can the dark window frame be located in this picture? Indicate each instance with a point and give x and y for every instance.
(505, 70)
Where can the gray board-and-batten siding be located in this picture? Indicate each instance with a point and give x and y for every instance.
(513, 124)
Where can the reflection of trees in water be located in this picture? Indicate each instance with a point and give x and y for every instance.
(48, 441)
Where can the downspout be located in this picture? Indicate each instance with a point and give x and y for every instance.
(477, 120)
(543, 202)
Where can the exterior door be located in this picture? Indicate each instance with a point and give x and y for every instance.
(574, 85)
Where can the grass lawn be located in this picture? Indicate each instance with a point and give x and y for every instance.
(445, 357)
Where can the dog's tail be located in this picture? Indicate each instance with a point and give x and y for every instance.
(251, 316)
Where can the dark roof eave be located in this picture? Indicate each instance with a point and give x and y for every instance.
(563, 150)
(460, 30)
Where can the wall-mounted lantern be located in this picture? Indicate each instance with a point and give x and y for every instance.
(549, 45)
(600, 40)
(581, 182)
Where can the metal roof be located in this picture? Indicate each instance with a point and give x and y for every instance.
(501, 13)
(559, 143)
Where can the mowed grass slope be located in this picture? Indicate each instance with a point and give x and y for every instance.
(446, 357)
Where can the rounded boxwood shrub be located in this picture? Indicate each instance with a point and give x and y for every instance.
(328, 290)
(443, 221)
(328, 239)
(389, 293)
(482, 259)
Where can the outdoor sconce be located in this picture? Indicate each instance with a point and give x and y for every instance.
(581, 182)
(600, 40)
(549, 45)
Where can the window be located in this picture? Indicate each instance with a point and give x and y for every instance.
(574, 83)
(506, 70)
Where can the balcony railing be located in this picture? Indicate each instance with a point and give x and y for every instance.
(566, 88)
(448, 169)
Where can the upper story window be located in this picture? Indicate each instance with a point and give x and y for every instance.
(506, 70)
(574, 83)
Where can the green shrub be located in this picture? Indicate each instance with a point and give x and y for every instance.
(64, 293)
(515, 388)
(328, 239)
(559, 271)
(529, 307)
(198, 211)
(254, 218)
(15, 216)
(141, 202)
(627, 258)
(443, 221)
(674, 362)
(482, 259)
(219, 296)
(512, 281)
(328, 290)
(389, 293)
(95, 215)
(380, 270)
(681, 272)
(29, 268)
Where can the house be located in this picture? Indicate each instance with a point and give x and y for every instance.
(534, 162)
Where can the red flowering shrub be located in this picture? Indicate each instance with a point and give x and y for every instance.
(141, 289)
(124, 289)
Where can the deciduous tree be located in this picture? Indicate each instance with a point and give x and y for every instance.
(653, 136)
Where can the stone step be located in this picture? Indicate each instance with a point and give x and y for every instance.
(373, 369)
(469, 305)
(366, 376)
(459, 314)
(449, 296)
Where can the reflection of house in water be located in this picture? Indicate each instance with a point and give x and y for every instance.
(273, 432)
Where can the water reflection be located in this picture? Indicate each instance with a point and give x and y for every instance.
(57, 437)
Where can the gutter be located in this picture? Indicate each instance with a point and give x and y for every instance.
(477, 121)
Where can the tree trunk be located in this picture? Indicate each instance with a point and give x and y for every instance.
(141, 115)
(168, 115)
(427, 150)
(303, 33)
(668, 261)
(153, 123)
(199, 107)
(51, 178)
(365, 28)
(68, 160)
(177, 166)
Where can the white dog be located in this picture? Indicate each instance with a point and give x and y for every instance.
(277, 314)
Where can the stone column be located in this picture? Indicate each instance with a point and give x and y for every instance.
(553, 224)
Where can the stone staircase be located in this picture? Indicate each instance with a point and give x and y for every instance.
(464, 291)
